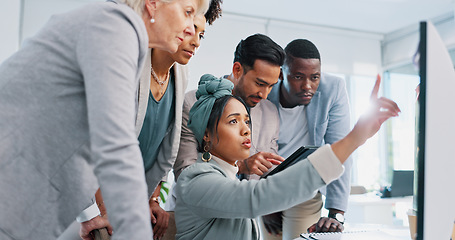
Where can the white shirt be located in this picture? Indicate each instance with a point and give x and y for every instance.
(229, 169)
(293, 130)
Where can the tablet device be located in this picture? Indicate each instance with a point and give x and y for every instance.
(295, 157)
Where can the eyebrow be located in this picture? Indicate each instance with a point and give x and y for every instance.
(233, 114)
(237, 114)
(264, 82)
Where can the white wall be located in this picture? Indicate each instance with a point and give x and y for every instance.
(9, 27)
(342, 51)
(37, 13)
(400, 46)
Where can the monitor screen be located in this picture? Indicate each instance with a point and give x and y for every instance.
(435, 138)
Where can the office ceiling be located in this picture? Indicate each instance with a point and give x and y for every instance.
(376, 16)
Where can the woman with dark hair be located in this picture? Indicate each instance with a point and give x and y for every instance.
(214, 204)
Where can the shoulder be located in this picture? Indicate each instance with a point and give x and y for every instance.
(329, 81)
(190, 98)
(198, 170)
(265, 106)
(110, 16)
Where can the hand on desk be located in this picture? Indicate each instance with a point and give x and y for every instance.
(273, 223)
(259, 163)
(326, 224)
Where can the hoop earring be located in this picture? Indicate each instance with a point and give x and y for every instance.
(206, 156)
(152, 20)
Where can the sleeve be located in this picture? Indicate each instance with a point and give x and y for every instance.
(108, 51)
(338, 127)
(187, 153)
(88, 213)
(205, 191)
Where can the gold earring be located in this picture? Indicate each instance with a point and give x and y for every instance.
(206, 156)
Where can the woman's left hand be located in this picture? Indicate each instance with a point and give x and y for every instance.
(160, 219)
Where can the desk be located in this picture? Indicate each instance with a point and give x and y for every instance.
(371, 209)
(396, 232)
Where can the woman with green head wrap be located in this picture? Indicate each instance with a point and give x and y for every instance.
(214, 203)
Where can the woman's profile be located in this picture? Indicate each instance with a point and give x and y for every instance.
(213, 202)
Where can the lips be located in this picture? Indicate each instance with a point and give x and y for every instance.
(305, 95)
(247, 143)
(189, 53)
(255, 100)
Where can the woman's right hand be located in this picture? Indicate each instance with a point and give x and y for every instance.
(368, 124)
(97, 222)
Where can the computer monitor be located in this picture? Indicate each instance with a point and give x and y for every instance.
(435, 138)
(402, 183)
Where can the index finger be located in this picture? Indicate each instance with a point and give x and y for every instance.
(272, 156)
(374, 93)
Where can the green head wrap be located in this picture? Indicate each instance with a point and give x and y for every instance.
(210, 88)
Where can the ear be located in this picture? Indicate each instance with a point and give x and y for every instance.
(237, 70)
(150, 7)
(206, 136)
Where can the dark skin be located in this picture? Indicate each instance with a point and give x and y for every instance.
(274, 223)
(300, 80)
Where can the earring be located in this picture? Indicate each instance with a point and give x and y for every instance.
(152, 20)
(206, 156)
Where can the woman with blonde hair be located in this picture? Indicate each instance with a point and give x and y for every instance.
(161, 91)
(68, 103)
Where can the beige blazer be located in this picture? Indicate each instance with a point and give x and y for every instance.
(168, 149)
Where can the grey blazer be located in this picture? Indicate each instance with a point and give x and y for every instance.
(67, 112)
(169, 147)
(265, 130)
(212, 206)
(328, 118)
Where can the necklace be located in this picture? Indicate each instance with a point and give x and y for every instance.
(161, 83)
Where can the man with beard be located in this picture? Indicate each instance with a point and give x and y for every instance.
(256, 69)
(314, 110)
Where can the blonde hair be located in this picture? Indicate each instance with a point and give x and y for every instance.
(138, 5)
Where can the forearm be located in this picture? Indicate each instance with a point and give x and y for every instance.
(346, 146)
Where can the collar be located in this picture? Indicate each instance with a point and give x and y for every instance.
(231, 171)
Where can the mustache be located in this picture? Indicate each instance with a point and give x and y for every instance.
(255, 96)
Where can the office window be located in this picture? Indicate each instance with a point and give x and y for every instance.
(393, 147)
(401, 88)
(369, 160)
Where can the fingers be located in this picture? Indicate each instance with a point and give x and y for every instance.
(312, 228)
(386, 104)
(272, 157)
(160, 221)
(328, 225)
(374, 93)
(261, 162)
(161, 226)
(110, 230)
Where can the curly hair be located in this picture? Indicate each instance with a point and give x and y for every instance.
(214, 11)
